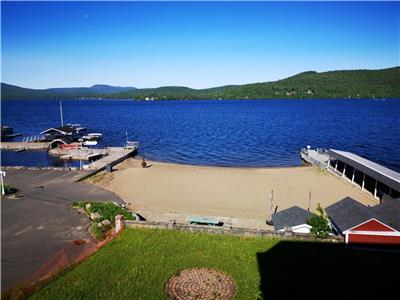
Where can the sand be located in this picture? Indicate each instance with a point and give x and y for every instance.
(226, 192)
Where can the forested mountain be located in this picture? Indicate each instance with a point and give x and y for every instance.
(308, 85)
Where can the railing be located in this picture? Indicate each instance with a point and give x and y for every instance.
(33, 138)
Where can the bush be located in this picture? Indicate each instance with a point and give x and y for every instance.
(107, 211)
(320, 224)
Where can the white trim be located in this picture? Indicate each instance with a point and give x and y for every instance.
(55, 129)
(382, 233)
(367, 222)
(346, 238)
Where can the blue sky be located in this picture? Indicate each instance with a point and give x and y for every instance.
(195, 44)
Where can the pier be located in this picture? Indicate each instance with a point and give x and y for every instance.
(381, 182)
(25, 146)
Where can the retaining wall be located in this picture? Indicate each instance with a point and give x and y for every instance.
(228, 230)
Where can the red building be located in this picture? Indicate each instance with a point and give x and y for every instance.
(359, 224)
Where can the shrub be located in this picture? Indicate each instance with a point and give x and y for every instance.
(320, 224)
(107, 211)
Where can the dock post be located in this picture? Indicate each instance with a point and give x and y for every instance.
(337, 162)
(363, 183)
(376, 188)
(354, 173)
(344, 170)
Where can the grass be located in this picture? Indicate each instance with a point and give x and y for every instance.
(138, 263)
(107, 211)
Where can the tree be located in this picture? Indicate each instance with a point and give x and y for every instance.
(320, 224)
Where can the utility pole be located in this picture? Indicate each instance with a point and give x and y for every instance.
(271, 209)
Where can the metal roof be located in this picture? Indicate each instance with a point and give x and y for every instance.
(290, 217)
(385, 175)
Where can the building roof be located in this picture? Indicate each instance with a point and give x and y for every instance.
(63, 129)
(387, 176)
(389, 213)
(348, 213)
(290, 217)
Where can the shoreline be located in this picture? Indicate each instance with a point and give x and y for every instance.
(171, 191)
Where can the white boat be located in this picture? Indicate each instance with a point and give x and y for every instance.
(90, 143)
(92, 137)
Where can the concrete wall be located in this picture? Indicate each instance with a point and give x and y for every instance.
(21, 145)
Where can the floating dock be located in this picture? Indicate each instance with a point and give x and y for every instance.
(381, 182)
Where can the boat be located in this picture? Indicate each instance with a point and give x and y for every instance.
(78, 128)
(90, 143)
(7, 132)
(92, 136)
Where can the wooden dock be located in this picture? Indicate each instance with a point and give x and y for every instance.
(115, 155)
(22, 145)
(316, 157)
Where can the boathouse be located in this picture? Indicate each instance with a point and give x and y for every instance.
(360, 224)
(381, 182)
(64, 130)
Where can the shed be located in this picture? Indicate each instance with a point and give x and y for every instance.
(294, 218)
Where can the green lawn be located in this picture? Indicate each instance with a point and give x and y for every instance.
(138, 264)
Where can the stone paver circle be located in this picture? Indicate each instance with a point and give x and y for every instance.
(200, 284)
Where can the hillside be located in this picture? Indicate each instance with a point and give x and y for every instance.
(96, 91)
(308, 85)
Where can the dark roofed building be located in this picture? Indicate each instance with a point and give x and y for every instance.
(64, 130)
(389, 213)
(366, 225)
(347, 213)
(294, 218)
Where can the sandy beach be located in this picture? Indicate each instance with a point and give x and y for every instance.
(227, 192)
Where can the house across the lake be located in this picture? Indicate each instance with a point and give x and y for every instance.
(360, 224)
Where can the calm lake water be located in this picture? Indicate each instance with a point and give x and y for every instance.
(222, 133)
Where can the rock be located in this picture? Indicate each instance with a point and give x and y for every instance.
(95, 216)
(99, 225)
(106, 222)
(88, 206)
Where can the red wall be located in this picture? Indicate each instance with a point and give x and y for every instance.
(373, 239)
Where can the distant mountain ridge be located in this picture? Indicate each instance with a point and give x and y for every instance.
(383, 83)
(9, 91)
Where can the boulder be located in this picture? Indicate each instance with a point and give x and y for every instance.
(99, 225)
(88, 206)
(95, 216)
(106, 222)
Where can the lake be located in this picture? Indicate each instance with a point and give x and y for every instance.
(268, 133)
